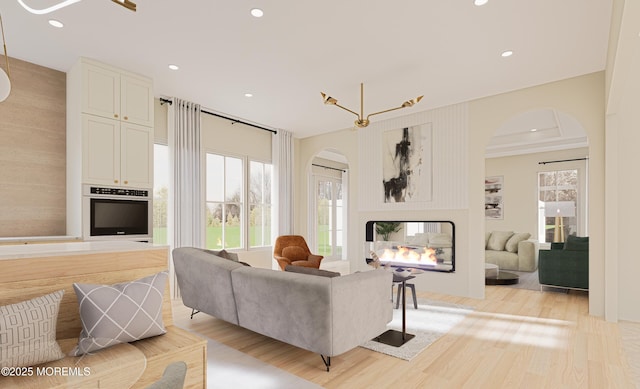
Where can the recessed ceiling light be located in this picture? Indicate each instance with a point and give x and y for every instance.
(533, 130)
(507, 53)
(480, 2)
(257, 12)
(248, 95)
(174, 67)
(56, 23)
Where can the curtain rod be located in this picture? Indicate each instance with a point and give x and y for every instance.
(563, 160)
(329, 167)
(166, 101)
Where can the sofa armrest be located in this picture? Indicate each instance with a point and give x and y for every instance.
(362, 308)
(528, 255)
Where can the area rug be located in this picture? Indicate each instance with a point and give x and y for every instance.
(527, 280)
(429, 322)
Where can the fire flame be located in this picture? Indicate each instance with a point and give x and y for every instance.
(409, 255)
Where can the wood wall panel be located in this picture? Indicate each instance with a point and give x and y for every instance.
(33, 152)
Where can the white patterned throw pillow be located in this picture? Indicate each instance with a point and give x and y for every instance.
(28, 331)
(120, 313)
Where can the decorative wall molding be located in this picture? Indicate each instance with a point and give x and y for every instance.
(449, 127)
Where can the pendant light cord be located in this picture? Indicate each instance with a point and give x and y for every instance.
(4, 44)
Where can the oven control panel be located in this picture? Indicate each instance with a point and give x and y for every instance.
(94, 190)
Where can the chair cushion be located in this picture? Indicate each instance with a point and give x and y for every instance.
(28, 331)
(498, 240)
(295, 253)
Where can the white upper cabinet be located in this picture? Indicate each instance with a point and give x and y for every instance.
(136, 100)
(114, 94)
(109, 127)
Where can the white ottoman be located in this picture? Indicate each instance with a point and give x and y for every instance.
(490, 270)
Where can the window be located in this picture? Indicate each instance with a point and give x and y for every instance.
(259, 204)
(329, 226)
(227, 213)
(559, 201)
(160, 192)
(223, 202)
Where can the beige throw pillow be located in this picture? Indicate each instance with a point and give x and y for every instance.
(28, 331)
(512, 244)
(498, 240)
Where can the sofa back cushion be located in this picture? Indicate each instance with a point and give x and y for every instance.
(498, 240)
(512, 244)
(311, 270)
(576, 243)
(439, 240)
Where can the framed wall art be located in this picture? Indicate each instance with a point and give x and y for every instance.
(493, 192)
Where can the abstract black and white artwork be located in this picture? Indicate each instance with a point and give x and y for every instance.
(493, 207)
(406, 164)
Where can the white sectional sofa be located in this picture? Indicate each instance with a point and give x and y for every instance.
(511, 251)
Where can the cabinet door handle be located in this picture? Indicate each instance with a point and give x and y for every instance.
(115, 181)
(126, 118)
(115, 115)
(126, 182)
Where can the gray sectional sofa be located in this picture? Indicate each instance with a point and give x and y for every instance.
(324, 315)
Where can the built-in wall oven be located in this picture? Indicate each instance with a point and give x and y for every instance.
(117, 213)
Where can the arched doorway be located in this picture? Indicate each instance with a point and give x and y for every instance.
(328, 200)
(540, 160)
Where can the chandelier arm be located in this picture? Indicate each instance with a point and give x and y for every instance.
(385, 111)
(127, 4)
(347, 109)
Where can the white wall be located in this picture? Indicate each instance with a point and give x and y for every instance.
(623, 137)
(581, 97)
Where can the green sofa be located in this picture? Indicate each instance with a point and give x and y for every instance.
(566, 265)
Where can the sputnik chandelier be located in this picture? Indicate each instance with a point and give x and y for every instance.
(125, 3)
(362, 121)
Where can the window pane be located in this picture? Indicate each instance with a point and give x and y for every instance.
(213, 219)
(215, 177)
(233, 179)
(554, 187)
(160, 192)
(259, 226)
(268, 170)
(232, 226)
(256, 183)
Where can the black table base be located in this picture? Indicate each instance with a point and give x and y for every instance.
(394, 338)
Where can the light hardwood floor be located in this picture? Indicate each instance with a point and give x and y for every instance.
(514, 339)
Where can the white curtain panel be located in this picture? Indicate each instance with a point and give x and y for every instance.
(186, 206)
(282, 189)
(345, 213)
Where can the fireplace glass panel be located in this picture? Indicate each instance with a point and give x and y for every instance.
(424, 245)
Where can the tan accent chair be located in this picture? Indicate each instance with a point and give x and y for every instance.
(293, 250)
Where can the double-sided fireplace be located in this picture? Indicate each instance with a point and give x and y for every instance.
(424, 245)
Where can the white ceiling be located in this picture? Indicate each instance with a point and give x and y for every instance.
(448, 50)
